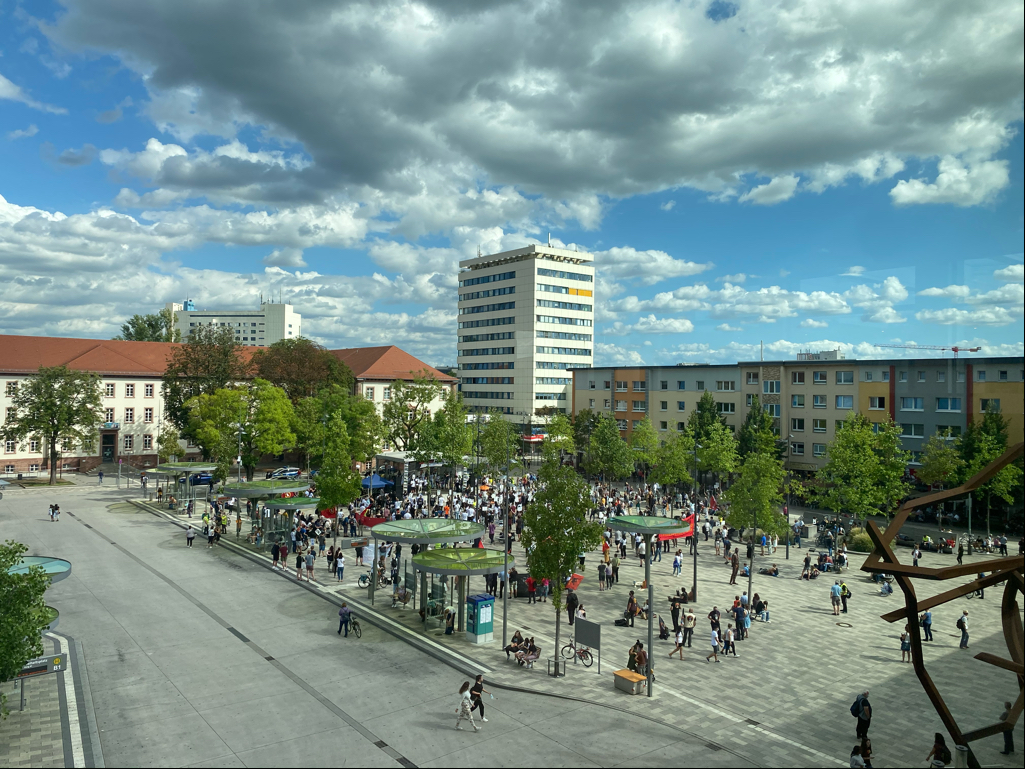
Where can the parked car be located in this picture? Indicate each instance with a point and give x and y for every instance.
(199, 479)
(284, 472)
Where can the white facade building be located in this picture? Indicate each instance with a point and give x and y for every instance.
(253, 328)
(526, 317)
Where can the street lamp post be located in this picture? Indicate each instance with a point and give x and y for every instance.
(694, 531)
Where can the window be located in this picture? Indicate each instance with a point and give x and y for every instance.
(877, 403)
(681, 426)
(621, 423)
(9, 447)
(797, 377)
(700, 385)
(33, 468)
(129, 442)
(772, 409)
(590, 403)
(818, 401)
(33, 446)
(108, 415)
(620, 386)
(845, 402)
(65, 444)
(591, 384)
(108, 390)
(8, 469)
(608, 403)
(386, 393)
(681, 405)
(664, 405)
(844, 377)
(726, 386)
(639, 405)
(727, 408)
(620, 405)
(663, 425)
(797, 425)
(797, 401)
(640, 386)
(818, 449)
(948, 404)
(797, 448)
(981, 375)
(908, 430)
(681, 385)
(664, 385)
(129, 391)
(368, 393)
(818, 425)
(147, 415)
(1002, 376)
(8, 413)
(948, 432)
(750, 400)
(148, 391)
(921, 376)
(902, 376)
(989, 403)
(129, 415)
(12, 389)
(770, 387)
(912, 404)
(960, 376)
(941, 376)
(839, 425)
(867, 375)
(886, 376)
(819, 377)
(916, 458)
(147, 441)
(608, 385)
(752, 377)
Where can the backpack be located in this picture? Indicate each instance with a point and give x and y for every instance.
(960, 623)
(856, 708)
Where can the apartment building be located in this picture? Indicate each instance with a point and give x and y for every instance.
(253, 328)
(526, 319)
(810, 397)
(376, 369)
(668, 395)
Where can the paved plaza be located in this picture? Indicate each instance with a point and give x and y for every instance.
(206, 657)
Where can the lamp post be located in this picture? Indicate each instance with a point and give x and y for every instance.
(788, 501)
(694, 532)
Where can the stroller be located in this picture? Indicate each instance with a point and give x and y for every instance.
(663, 631)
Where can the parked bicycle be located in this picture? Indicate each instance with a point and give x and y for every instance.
(364, 580)
(582, 653)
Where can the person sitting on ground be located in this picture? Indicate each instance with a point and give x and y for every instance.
(885, 588)
(514, 644)
(814, 573)
(772, 571)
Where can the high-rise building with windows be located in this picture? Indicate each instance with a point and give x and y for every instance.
(526, 317)
(253, 328)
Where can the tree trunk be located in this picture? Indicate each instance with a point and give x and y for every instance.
(557, 603)
(53, 460)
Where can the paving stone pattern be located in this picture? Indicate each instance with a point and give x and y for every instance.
(33, 737)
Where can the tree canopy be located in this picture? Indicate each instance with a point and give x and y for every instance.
(407, 411)
(24, 616)
(756, 494)
(498, 442)
(607, 453)
(55, 405)
(301, 367)
(644, 442)
(704, 417)
(157, 327)
(756, 432)
(673, 460)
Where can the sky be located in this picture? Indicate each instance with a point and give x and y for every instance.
(803, 175)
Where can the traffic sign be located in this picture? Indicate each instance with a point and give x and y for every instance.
(39, 666)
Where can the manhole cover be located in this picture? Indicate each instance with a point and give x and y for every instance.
(844, 624)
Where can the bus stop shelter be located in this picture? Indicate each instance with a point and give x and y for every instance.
(648, 527)
(462, 562)
(186, 470)
(257, 491)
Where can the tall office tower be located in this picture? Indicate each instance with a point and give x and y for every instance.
(525, 318)
(253, 328)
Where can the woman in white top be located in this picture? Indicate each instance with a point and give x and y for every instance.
(465, 710)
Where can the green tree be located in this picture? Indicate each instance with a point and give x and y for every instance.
(608, 455)
(362, 421)
(454, 433)
(302, 368)
(556, 529)
(644, 443)
(980, 444)
(940, 461)
(498, 442)
(24, 616)
(210, 361)
(559, 436)
(167, 443)
(408, 410)
(583, 426)
(718, 450)
(337, 483)
(260, 410)
(704, 417)
(54, 405)
(891, 466)
(756, 433)
(756, 494)
(157, 327)
(309, 424)
(673, 460)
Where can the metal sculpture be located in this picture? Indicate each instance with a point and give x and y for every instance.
(1009, 570)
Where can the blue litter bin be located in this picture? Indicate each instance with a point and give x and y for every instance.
(480, 618)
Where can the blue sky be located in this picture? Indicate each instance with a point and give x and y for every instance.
(798, 175)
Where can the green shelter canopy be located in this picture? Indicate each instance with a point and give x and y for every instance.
(461, 561)
(293, 503)
(257, 489)
(647, 525)
(428, 531)
(180, 468)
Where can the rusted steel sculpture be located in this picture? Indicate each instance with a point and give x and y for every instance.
(1009, 570)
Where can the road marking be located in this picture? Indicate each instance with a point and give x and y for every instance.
(67, 682)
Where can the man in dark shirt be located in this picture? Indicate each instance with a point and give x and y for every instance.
(864, 716)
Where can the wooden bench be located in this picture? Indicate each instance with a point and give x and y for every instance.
(630, 682)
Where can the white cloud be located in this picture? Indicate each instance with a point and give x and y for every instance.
(669, 205)
(616, 355)
(957, 183)
(1013, 273)
(646, 267)
(878, 300)
(781, 188)
(812, 323)
(855, 270)
(285, 257)
(11, 92)
(954, 292)
(649, 324)
(728, 327)
(736, 278)
(22, 133)
(992, 316)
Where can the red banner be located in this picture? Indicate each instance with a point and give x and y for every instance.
(689, 521)
(574, 582)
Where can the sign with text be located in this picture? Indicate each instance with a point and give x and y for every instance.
(39, 666)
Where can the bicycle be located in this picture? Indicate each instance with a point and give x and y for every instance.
(355, 628)
(583, 654)
(364, 580)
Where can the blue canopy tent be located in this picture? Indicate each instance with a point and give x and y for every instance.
(376, 482)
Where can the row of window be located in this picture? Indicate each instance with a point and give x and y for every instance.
(550, 396)
(484, 395)
(487, 308)
(487, 380)
(564, 335)
(129, 415)
(487, 322)
(562, 350)
(487, 279)
(564, 290)
(553, 305)
(564, 321)
(486, 366)
(488, 337)
(109, 390)
(370, 393)
(487, 351)
(564, 275)
(552, 380)
(912, 430)
(127, 443)
(487, 293)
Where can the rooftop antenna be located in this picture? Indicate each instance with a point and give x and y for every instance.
(549, 240)
(762, 343)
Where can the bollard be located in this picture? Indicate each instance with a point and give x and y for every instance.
(960, 756)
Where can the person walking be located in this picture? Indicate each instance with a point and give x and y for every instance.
(940, 753)
(926, 620)
(863, 711)
(571, 605)
(615, 569)
(300, 562)
(845, 593)
(735, 565)
(344, 617)
(960, 552)
(1009, 733)
(905, 645)
(275, 554)
(679, 644)
(834, 597)
(190, 534)
(465, 710)
(477, 692)
(962, 625)
(689, 623)
(100, 476)
(310, 560)
(806, 569)
(715, 646)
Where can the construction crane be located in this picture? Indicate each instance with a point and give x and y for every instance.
(954, 350)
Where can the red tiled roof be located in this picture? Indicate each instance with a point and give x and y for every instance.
(26, 354)
(386, 363)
